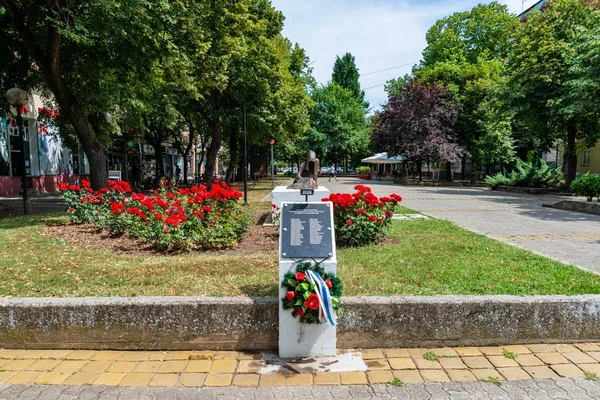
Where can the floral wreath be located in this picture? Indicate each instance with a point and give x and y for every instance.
(311, 293)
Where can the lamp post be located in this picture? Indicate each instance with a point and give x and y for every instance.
(245, 160)
(18, 98)
(272, 142)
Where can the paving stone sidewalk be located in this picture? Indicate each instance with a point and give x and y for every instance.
(563, 388)
(196, 369)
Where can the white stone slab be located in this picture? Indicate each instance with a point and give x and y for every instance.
(282, 194)
(303, 340)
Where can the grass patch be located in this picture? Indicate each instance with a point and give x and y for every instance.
(431, 356)
(590, 376)
(421, 257)
(396, 382)
(492, 379)
(509, 354)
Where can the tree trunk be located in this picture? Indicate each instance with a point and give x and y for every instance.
(160, 168)
(216, 138)
(570, 157)
(449, 171)
(233, 157)
(463, 166)
(420, 170)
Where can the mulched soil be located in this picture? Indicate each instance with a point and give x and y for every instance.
(257, 239)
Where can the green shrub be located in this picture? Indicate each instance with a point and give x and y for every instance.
(497, 180)
(535, 173)
(363, 170)
(587, 185)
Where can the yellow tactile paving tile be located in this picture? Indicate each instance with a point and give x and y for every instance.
(231, 368)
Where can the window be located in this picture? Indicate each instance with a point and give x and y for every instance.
(585, 159)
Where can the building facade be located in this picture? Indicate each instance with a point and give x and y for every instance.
(48, 161)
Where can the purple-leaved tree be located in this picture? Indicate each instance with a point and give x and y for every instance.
(418, 123)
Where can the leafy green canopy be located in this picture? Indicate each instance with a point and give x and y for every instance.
(337, 124)
(345, 73)
(550, 83)
(465, 52)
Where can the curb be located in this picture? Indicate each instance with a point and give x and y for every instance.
(242, 323)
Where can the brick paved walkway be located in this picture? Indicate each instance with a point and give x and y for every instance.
(519, 219)
(240, 369)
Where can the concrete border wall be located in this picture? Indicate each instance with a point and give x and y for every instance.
(587, 207)
(528, 190)
(251, 323)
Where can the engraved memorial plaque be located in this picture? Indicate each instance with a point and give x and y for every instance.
(306, 230)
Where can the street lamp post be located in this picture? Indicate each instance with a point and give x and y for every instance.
(272, 142)
(245, 160)
(18, 98)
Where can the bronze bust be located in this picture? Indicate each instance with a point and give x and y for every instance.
(308, 173)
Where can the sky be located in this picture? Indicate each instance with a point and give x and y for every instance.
(381, 34)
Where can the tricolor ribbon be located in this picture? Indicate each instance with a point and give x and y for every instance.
(325, 303)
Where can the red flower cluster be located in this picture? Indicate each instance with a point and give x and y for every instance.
(136, 211)
(119, 186)
(300, 276)
(117, 208)
(360, 217)
(312, 302)
(175, 220)
(341, 200)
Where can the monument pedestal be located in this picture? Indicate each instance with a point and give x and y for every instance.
(304, 340)
(282, 194)
(306, 234)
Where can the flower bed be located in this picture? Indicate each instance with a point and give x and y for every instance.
(174, 218)
(362, 218)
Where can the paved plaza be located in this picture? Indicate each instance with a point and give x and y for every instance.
(519, 219)
(534, 371)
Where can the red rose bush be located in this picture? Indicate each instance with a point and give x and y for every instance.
(362, 218)
(172, 218)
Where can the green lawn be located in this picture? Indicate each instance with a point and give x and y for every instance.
(421, 257)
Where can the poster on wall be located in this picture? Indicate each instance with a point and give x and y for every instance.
(4, 155)
(54, 158)
(13, 128)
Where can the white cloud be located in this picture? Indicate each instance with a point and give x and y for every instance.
(379, 33)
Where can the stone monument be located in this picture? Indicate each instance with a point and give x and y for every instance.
(306, 234)
(307, 177)
(308, 173)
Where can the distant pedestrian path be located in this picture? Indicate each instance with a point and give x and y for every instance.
(519, 219)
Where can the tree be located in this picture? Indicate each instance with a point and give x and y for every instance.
(345, 73)
(547, 84)
(236, 69)
(465, 52)
(85, 50)
(418, 124)
(337, 124)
